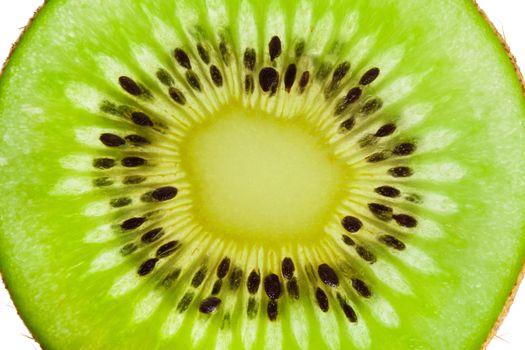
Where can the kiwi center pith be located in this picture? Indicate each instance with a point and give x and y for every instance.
(261, 179)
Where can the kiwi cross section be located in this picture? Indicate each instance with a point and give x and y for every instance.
(271, 147)
(242, 174)
(152, 212)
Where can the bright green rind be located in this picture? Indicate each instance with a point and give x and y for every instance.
(480, 256)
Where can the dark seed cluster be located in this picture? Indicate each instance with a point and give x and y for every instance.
(209, 305)
(272, 286)
(350, 100)
(322, 299)
(328, 275)
(253, 282)
(130, 86)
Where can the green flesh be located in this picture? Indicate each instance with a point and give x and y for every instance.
(261, 177)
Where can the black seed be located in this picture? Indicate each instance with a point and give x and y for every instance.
(249, 84)
(388, 191)
(103, 163)
(164, 193)
(322, 299)
(401, 171)
(348, 124)
(349, 312)
(224, 266)
(253, 282)
(386, 130)
(249, 59)
(378, 157)
(353, 94)
(152, 235)
(185, 301)
(305, 78)
(324, 70)
(216, 287)
(164, 77)
(351, 224)
(199, 276)
(287, 268)
(351, 97)
(137, 139)
(141, 119)
(128, 249)
(147, 266)
(272, 310)
(274, 47)
(133, 223)
(103, 182)
(193, 80)
(328, 275)
(147, 197)
(405, 220)
(120, 202)
(361, 288)
(293, 288)
(225, 52)
(365, 254)
(182, 58)
(289, 76)
(369, 76)
(171, 278)
(404, 149)
(111, 140)
(371, 106)
(132, 162)
(340, 72)
(272, 286)
(381, 211)
(235, 278)
(167, 249)
(177, 96)
(269, 80)
(130, 86)
(392, 242)
(299, 49)
(216, 75)
(251, 310)
(348, 241)
(133, 180)
(209, 305)
(203, 54)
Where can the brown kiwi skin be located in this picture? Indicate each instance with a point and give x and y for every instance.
(32, 335)
(521, 275)
(21, 37)
(512, 58)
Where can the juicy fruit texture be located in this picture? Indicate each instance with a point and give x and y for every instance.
(246, 175)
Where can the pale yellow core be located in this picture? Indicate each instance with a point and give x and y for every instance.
(256, 177)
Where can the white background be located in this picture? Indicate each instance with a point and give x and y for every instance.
(507, 15)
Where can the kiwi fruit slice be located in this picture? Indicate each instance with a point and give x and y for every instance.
(241, 174)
